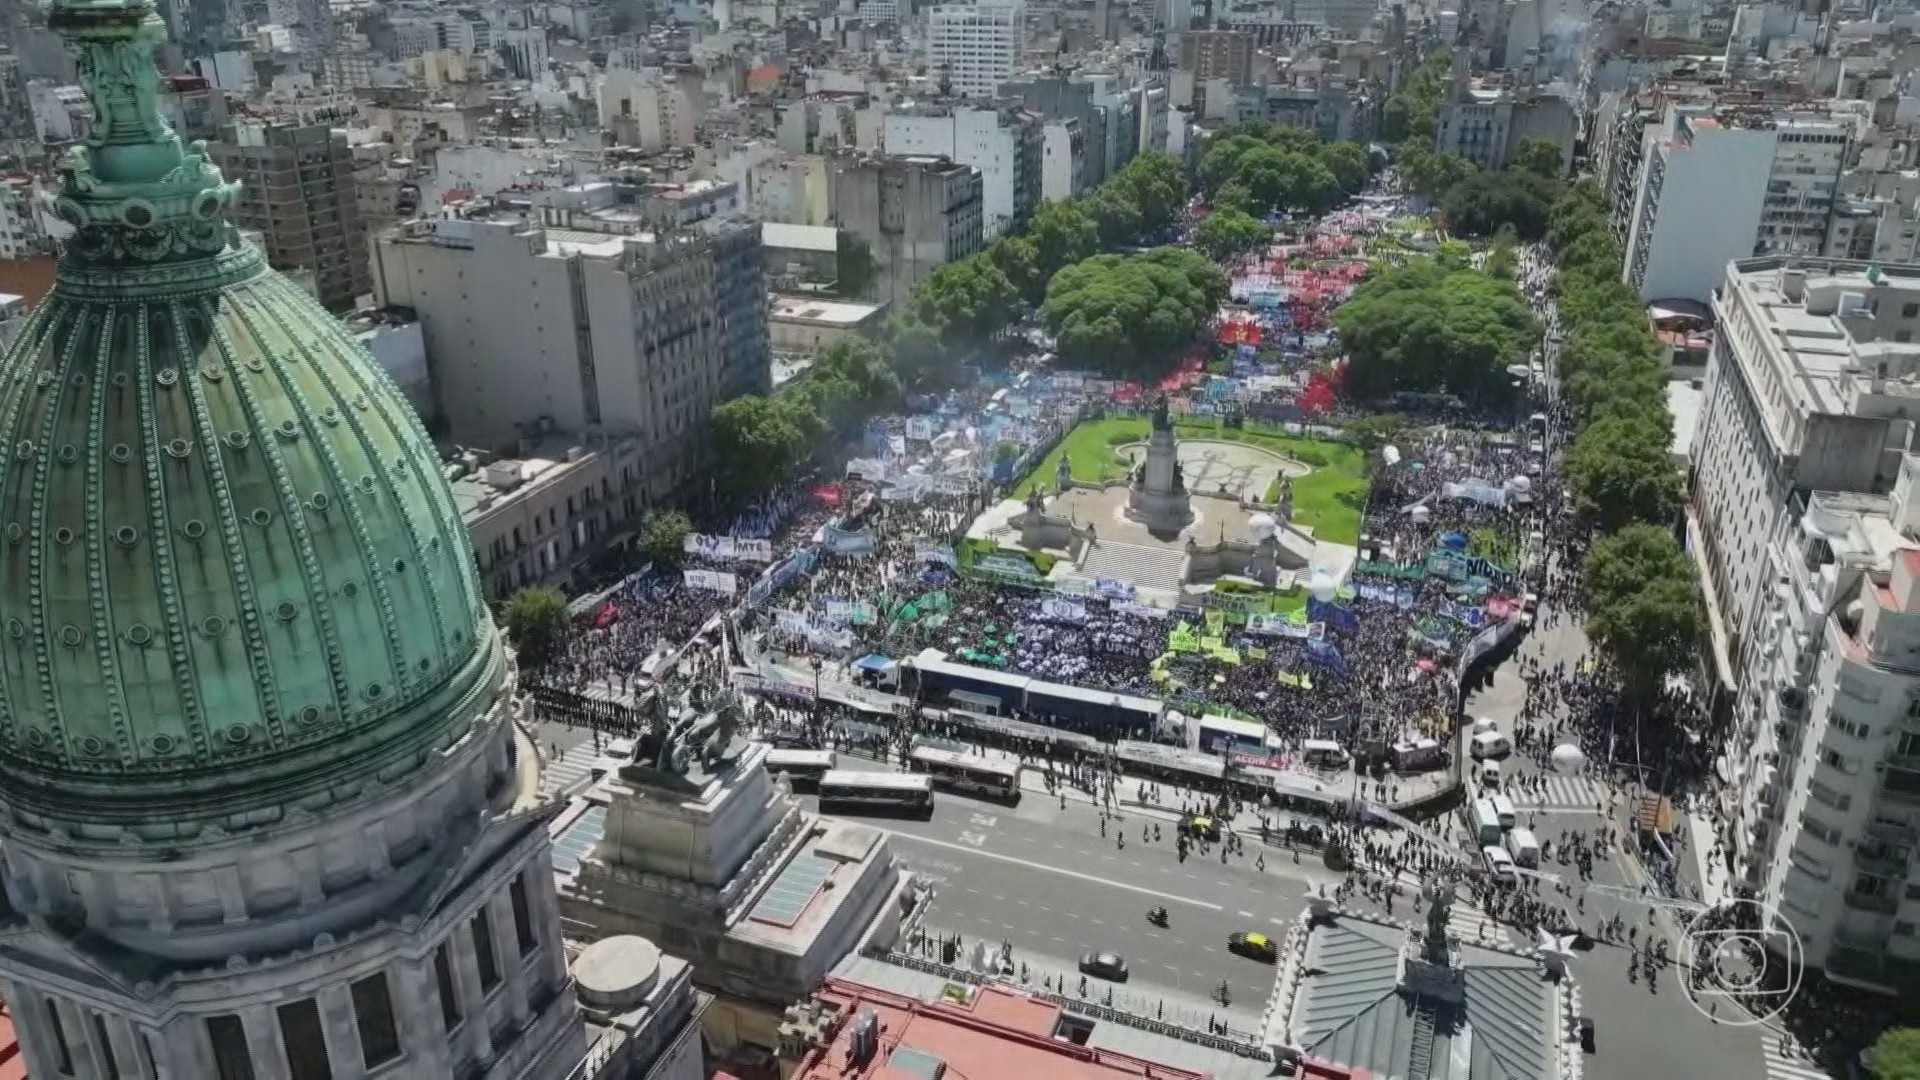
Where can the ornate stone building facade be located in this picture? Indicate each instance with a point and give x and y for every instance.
(255, 718)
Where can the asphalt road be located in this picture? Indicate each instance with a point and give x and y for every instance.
(1641, 1032)
(1045, 881)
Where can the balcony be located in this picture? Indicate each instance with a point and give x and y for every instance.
(1887, 863)
(1879, 905)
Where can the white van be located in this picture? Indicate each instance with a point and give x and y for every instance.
(1490, 774)
(1524, 847)
(1485, 724)
(1500, 865)
(1491, 744)
(1324, 753)
(1503, 811)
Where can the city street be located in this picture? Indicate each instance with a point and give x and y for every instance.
(1641, 1032)
(1044, 880)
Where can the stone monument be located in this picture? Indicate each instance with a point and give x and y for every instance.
(1157, 497)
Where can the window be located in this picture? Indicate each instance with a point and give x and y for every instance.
(231, 1058)
(1903, 929)
(1820, 830)
(62, 1053)
(373, 1012)
(1910, 311)
(1909, 745)
(449, 997)
(305, 1040)
(522, 918)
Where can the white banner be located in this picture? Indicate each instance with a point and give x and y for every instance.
(873, 469)
(1065, 610)
(933, 553)
(791, 622)
(953, 485)
(920, 427)
(713, 581)
(709, 547)
(760, 551)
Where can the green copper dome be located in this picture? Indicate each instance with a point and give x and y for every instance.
(232, 577)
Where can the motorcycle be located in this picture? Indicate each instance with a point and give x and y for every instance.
(1158, 917)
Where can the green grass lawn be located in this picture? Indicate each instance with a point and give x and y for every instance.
(1494, 546)
(1331, 498)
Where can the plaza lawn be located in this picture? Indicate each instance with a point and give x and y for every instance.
(1331, 498)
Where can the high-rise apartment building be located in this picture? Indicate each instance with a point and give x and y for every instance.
(297, 191)
(1007, 146)
(584, 320)
(1804, 514)
(1217, 54)
(915, 214)
(976, 47)
(1716, 185)
(1804, 392)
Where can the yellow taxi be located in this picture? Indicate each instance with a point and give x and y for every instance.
(1253, 946)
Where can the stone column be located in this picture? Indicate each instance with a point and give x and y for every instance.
(507, 940)
(36, 1035)
(128, 1052)
(473, 1001)
(306, 867)
(379, 862)
(342, 1028)
(263, 1043)
(233, 894)
(544, 902)
(79, 1038)
(182, 1050)
(416, 1006)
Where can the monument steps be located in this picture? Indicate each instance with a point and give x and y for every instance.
(1146, 567)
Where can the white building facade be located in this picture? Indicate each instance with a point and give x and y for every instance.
(976, 47)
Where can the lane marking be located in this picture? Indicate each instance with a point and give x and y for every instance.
(1249, 915)
(1031, 865)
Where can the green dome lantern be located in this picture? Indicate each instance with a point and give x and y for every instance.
(233, 580)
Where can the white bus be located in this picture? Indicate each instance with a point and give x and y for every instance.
(1225, 735)
(995, 778)
(891, 792)
(804, 767)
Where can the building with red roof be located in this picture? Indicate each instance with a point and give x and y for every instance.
(855, 1032)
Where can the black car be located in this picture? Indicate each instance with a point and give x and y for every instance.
(1586, 1034)
(1104, 965)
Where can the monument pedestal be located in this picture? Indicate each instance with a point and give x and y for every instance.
(1158, 496)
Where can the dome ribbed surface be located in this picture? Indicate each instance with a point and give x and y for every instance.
(231, 570)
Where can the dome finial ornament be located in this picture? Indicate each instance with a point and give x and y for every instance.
(134, 193)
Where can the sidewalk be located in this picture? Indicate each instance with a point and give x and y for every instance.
(1178, 1007)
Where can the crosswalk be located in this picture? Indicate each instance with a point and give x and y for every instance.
(1785, 1067)
(1560, 793)
(1475, 927)
(568, 769)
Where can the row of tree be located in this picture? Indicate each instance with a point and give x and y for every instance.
(1258, 168)
(952, 318)
(1642, 589)
(1436, 326)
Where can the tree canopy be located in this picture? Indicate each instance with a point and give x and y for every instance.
(1484, 203)
(1425, 328)
(1224, 234)
(1128, 315)
(663, 536)
(535, 618)
(1260, 168)
(1896, 1055)
(1539, 156)
(1409, 115)
(1644, 607)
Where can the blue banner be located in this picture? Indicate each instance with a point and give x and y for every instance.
(844, 542)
